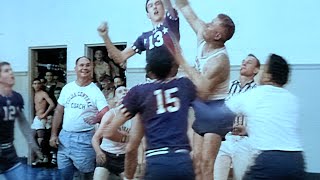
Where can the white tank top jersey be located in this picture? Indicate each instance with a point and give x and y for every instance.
(221, 92)
(116, 147)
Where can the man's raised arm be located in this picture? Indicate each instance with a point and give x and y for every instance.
(168, 7)
(194, 21)
(207, 81)
(114, 53)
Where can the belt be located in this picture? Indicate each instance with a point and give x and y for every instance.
(115, 155)
(164, 150)
(6, 145)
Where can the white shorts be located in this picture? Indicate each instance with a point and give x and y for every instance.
(38, 123)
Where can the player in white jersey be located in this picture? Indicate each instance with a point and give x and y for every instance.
(213, 119)
(110, 153)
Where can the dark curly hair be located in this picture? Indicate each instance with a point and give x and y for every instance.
(279, 69)
(160, 62)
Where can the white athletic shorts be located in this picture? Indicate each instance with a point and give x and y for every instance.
(38, 123)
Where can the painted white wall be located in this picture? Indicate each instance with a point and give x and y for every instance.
(288, 27)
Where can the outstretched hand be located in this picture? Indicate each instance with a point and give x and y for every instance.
(103, 29)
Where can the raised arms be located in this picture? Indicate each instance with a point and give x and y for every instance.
(118, 56)
(210, 78)
(168, 6)
(194, 21)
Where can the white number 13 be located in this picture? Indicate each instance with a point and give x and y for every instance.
(165, 102)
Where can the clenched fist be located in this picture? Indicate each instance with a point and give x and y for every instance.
(103, 29)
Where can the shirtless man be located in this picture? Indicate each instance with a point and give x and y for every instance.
(213, 119)
(41, 101)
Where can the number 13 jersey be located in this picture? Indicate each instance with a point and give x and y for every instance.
(165, 34)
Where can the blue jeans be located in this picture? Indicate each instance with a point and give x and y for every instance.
(16, 172)
(75, 152)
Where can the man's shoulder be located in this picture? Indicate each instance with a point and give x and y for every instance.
(15, 94)
(40, 93)
(17, 97)
(184, 80)
(141, 86)
(145, 34)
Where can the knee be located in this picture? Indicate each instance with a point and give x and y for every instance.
(205, 161)
(196, 156)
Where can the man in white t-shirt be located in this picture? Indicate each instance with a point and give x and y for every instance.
(272, 114)
(79, 100)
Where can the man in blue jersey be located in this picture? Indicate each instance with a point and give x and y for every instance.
(165, 21)
(11, 109)
(163, 108)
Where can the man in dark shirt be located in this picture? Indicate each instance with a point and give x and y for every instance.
(163, 108)
(11, 109)
(166, 31)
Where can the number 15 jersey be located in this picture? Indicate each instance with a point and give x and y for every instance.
(164, 107)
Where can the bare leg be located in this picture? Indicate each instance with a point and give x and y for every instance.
(197, 155)
(210, 149)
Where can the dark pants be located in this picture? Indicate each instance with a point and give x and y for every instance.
(277, 165)
(212, 117)
(114, 163)
(171, 166)
(8, 158)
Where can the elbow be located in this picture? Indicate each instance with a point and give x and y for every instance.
(94, 140)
